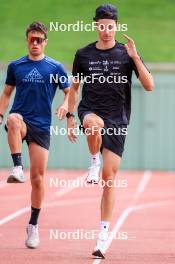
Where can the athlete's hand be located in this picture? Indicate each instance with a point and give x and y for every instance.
(130, 47)
(61, 111)
(71, 125)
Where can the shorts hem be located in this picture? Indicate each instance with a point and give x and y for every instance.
(118, 153)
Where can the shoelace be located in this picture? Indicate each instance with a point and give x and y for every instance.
(15, 169)
(94, 167)
(32, 230)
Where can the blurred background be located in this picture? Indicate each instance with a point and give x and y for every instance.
(150, 143)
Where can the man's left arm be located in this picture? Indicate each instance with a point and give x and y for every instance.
(62, 110)
(144, 75)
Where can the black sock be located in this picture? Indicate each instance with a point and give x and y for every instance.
(34, 216)
(17, 159)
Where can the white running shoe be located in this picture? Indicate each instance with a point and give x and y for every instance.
(16, 175)
(94, 173)
(100, 249)
(33, 236)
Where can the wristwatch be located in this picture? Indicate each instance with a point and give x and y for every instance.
(2, 117)
(68, 115)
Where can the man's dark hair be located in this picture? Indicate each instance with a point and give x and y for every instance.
(106, 11)
(37, 26)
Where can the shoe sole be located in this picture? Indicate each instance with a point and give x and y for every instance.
(92, 182)
(98, 254)
(12, 179)
(31, 247)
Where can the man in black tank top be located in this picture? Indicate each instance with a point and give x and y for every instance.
(106, 67)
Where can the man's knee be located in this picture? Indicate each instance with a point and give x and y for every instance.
(109, 173)
(14, 121)
(94, 123)
(37, 180)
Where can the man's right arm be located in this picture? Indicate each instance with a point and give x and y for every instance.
(73, 96)
(5, 99)
(72, 103)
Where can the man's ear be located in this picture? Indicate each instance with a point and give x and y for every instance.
(116, 24)
(97, 24)
(46, 41)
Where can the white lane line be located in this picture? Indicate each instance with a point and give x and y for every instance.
(144, 182)
(127, 212)
(141, 186)
(26, 209)
(124, 215)
(14, 215)
(47, 205)
(59, 193)
(73, 186)
(122, 218)
(152, 204)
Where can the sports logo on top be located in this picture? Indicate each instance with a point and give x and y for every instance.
(34, 76)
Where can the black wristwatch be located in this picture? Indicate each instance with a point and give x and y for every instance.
(68, 115)
(2, 119)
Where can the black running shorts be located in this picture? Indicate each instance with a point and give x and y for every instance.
(113, 135)
(41, 138)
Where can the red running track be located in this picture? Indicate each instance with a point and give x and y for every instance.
(143, 220)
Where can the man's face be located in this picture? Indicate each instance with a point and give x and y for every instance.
(106, 29)
(36, 43)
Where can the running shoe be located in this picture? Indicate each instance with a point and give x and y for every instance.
(100, 249)
(33, 236)
(93, 173)
(16, 175)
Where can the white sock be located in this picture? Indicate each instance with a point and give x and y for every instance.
(95, 159)
(104, 226)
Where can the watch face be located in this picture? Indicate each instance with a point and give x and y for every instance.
(68, 114)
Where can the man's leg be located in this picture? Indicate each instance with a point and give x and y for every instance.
(111, 163)
(38, 165)
(16, 132)
(93, 125)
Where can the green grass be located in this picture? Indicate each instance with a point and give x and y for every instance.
(150, 23)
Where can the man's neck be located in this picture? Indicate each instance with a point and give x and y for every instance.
(36, 58)
(105, 45)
